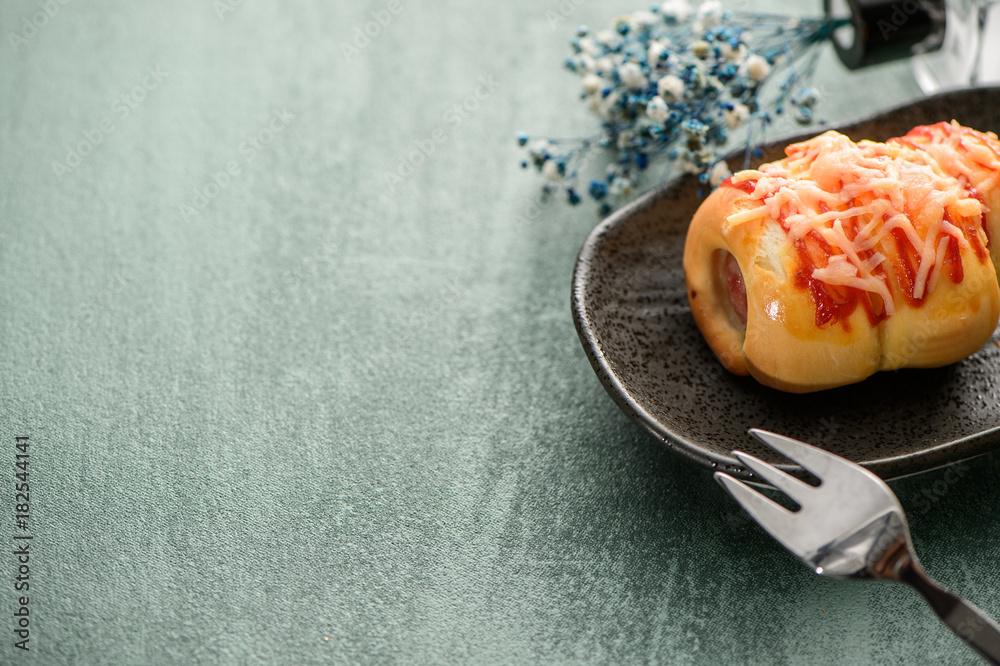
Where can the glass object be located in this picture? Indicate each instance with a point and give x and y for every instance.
(970, 53)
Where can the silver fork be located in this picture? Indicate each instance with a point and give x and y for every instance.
(851, 526)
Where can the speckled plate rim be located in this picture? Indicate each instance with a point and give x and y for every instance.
(892, 467)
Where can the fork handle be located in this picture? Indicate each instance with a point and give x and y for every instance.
(972, 625)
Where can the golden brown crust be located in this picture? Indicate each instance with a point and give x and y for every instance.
(782, 345)
(966, 153)
(707, 293)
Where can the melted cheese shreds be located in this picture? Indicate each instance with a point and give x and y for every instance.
(961, 151)
(746, 174)
(872, 201)
(942, 250)
(841, 272)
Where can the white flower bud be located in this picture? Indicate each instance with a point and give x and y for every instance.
(592, 83)
(718, 173)
(678, 9)
(550, 171)
(670, 87)
(756, 67)
(539, 147)
(657, 110)
(737, 116)
(631, 75)
(609, 38)
(625, 139)
(606, 106)
(684, 165)
(700, 48)
(653, 53)
(620, 187)
(710, 14)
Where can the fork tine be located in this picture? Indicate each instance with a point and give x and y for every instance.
(783, 481)
(770, 515)
(814, 460)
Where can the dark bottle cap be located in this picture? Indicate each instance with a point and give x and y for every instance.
(884, 30)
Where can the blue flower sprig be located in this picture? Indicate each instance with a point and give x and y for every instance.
(674, 82)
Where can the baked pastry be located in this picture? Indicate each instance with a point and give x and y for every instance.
(843, 258)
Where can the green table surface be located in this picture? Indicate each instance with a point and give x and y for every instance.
(327, 416)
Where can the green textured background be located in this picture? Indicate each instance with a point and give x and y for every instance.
(327, 420)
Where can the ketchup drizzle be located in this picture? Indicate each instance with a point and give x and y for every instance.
(747, 186)
(835, 303)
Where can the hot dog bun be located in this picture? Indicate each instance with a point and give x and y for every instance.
(854, 258)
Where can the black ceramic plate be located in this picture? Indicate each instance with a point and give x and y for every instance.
(631, 312)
